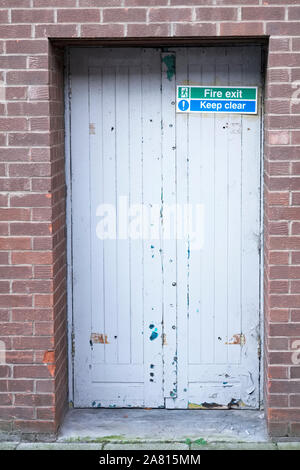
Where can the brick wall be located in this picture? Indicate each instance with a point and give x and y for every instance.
(33, 383)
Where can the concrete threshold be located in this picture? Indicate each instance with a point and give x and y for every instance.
(158, 425)
(153, 429)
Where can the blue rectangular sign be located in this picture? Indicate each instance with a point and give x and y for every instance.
(235, 106)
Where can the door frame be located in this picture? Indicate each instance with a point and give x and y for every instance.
(68, 179)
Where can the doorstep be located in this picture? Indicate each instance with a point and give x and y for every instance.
(157, 429)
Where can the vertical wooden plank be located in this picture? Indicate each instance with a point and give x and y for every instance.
(109, 188)
(168, 223)
(194, 256)
(96, 196)
(251, 236)
(221, 222)
(207, 197)
(136, 198)
(122, 198)
(80, 224)
(234, 222)
(182, 148)
(151, 104)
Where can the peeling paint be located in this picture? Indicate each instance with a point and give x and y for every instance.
(98, 338)
(193, 406)
(235, 404)
(237, 339)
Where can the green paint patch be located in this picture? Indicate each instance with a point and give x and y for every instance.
(169, 61)
(199, 442)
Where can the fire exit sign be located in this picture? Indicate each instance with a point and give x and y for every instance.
(216, 99)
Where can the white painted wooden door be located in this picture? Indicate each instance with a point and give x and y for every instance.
(165, 231)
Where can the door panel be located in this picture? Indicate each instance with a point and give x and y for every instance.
(160, 320)
(221, 346)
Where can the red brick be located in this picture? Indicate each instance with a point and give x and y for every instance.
(283, 28)
(295, 315)
(158, 15)
(77, 15)
(44, 386)
(279, 44)
(32, 16)
(295, 429)
(30, 399)
(36, 426)
(32, 257)
(32, 314)
(195, 29)
(15, 3)
(10, 214)
(14, 184)
(33, 77)
(4, 287)
(296, 44)
(282, 184)
(32, 343)
(279, 315)
(100, 30)
(120, 15)
(263, 13)
(278, 137)
(284, 60)
(237, 2)
(55, 31)
(216, 14)
(31, 200)
(16, 93)
(15, 31)
(33, 138)
(15, 301)
(284, 213)
(241, 29)
(148, 30)
(279, 168)
(289, 329)
(132, 3)
(284, 386)
(29, 169)
(34, 371)
(278, 401)
(279, 287)
(295, 401)
(55, 3)
(294, 13)
(13, 62)
(14, 329)
(278, 198)
(192, 2)
(43, 300)
(19, 357)
(32, 46)
(295, 228)
(35, 228)
(15, 243)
